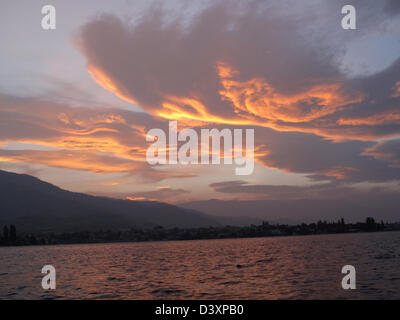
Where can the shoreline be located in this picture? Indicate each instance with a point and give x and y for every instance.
(194, 239)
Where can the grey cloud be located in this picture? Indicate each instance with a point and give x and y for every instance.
(166, 194)
(322, 159)
(277, 192)
(154, 61)
(387, 151)
(392, 7)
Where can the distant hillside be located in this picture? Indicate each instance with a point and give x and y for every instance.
(33, 205)
(351, 208)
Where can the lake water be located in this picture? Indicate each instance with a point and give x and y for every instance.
(307, 267)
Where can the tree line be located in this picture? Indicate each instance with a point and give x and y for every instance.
(9, 234)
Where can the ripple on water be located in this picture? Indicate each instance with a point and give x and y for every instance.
(257, 268)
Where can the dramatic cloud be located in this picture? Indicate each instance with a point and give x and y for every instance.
(277, 67)
(255, 67)
(98, 140)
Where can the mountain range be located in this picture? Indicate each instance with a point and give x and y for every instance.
(37, 206)
(353, 208)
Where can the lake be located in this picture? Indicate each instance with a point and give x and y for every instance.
(300, 267)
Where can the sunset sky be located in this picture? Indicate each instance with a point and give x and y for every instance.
(76, 102)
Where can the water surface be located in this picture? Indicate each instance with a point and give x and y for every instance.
(304, 267)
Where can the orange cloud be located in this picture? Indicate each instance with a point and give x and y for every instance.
(392, 116)
(137, 198)
(87, 161)
(254, 102)
(258, 98)
(107, 83)
(339, 172)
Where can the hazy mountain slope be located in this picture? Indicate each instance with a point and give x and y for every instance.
(385, 207)
(34, 205)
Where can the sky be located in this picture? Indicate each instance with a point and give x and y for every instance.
(76, 102)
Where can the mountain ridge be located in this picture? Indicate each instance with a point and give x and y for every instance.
(352, 208)
(34, 205)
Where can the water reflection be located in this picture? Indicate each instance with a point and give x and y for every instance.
(263, 268)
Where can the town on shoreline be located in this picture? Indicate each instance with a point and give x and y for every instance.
(10, 237)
